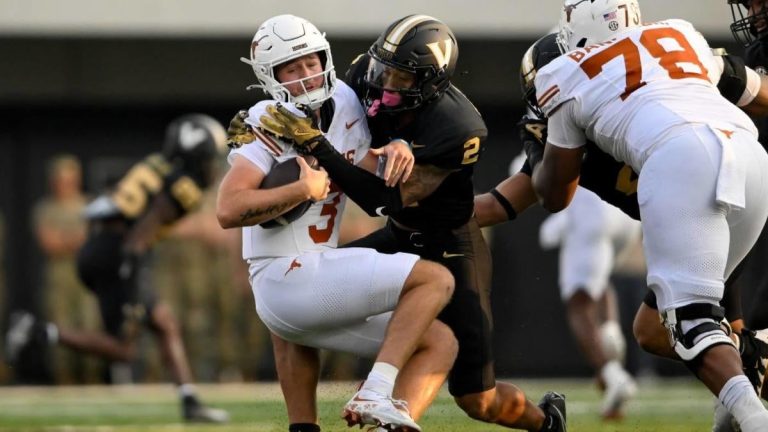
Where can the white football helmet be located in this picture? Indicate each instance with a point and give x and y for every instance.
(284, 38)
(586, 22)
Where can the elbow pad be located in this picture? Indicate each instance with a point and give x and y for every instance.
(367, 190)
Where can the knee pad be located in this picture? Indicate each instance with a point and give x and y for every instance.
(705, 333)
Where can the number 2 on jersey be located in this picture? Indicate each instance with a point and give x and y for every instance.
(627, 49)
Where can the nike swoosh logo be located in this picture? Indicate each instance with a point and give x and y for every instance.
(380, 211)
(300, 133)
(450, 255)
(413, 145)
(350, 124)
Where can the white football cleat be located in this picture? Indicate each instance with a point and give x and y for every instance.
(370, 408)
(617, 393)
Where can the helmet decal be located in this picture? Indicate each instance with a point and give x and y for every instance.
(191, 136)
(584, 22)
(441, 56)
(396, 34)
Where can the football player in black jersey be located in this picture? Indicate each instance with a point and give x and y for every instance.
(616, 184)
(750, 27)
(403, 81)
(114, 261)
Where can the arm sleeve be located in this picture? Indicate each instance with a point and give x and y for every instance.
(366, 189)
(737, 83)
(754, 82)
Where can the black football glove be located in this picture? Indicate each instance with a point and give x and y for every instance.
(533, 135)
(301, 132)
(239, 132)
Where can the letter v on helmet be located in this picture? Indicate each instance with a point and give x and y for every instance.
(441, 56)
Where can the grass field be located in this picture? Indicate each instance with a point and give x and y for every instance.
(674, 406)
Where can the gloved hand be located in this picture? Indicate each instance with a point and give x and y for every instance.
(299, 131)
(239, 132)
(533, 135)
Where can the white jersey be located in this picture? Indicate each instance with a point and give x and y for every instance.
(632, 92)
(318, 228)
(591, 234)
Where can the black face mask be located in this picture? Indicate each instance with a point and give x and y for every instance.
(743, 27)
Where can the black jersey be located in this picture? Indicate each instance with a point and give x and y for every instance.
(756, 57)
(133, 194)
(614, 182)
(447, 133)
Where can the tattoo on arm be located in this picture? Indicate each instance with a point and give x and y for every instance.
(424, 180)
(273, 210)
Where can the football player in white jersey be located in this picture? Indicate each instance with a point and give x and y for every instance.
(308, 293)
(590, 234)
(646, 97)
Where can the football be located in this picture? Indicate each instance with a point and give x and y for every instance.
(282, 174)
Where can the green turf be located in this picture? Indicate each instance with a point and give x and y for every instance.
(674, 406)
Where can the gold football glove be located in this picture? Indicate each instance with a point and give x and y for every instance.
(283, 124)
(239, 132)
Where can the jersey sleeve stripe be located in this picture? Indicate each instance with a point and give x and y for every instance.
(548, 95)
(269, 143)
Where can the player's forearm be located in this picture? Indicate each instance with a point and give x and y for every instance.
(551, 195)
(514, 195)
(367, 190)
(249, 207)
(151, 226)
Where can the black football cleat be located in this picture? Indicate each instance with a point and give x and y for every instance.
(553, 405)
(194, 411)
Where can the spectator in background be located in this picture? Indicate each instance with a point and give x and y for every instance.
(60, 230)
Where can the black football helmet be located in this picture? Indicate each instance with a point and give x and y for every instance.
(194, 141)
(745, 22)
(421, 45)
(536, 57)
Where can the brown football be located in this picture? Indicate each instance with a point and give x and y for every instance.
(281, 174)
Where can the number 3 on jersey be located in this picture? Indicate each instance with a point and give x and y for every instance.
(627, 49)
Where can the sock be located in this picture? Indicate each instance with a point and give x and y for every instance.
(381, 379)
(303, 427)
(612, 341)
(612, 372)
(187, 390)
(740, 398)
